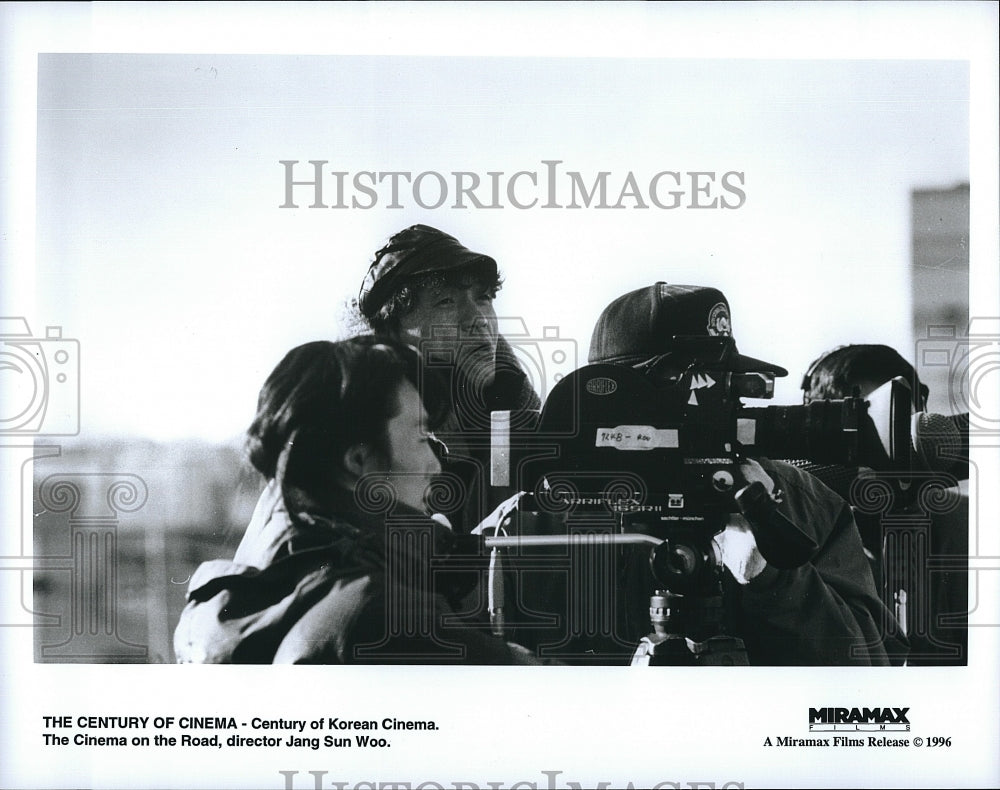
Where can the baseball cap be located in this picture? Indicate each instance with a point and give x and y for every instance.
(416, 250)
(648, 323)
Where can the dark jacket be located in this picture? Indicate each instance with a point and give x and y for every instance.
(825, 612)
(351, 588)
(466, 432)
(828, 610)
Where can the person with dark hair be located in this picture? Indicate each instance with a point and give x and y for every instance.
(866, 367)
(861, 369)
(827, 610)
(342, 563)
(425, 288)
(924, 574)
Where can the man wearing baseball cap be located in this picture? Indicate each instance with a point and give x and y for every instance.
(424, 287)
(825, 611)
(644, 326)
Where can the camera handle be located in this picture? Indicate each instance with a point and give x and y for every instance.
(782, 542)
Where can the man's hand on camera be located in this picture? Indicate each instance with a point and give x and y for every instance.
(753, 472)
(736, 543)
(738, 549)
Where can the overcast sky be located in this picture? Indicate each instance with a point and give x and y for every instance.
(161, 246)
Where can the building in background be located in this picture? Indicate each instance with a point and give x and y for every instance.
(940, 282)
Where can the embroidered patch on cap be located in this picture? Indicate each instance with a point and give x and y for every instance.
(718, 321)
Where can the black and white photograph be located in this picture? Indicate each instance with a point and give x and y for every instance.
(577, 394)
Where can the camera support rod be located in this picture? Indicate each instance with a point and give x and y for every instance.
(513, 541)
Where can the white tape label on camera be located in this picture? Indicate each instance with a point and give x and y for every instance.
(636, 437)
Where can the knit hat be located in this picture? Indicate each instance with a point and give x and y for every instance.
(417, 250)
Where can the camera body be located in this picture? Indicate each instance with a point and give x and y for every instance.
(604, 442)
(657, 448)
(41, 381)
(662, 442)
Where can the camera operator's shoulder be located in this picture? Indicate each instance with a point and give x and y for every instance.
(789, 477)
(806, 499)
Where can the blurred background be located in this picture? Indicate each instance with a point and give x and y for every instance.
(169, 281)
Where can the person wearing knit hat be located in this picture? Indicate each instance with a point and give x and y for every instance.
(422, 285)
(426, 288)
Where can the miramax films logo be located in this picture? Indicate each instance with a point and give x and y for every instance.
(858, 720)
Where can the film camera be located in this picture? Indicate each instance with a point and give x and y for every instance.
(651, 452)
(659, 448)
